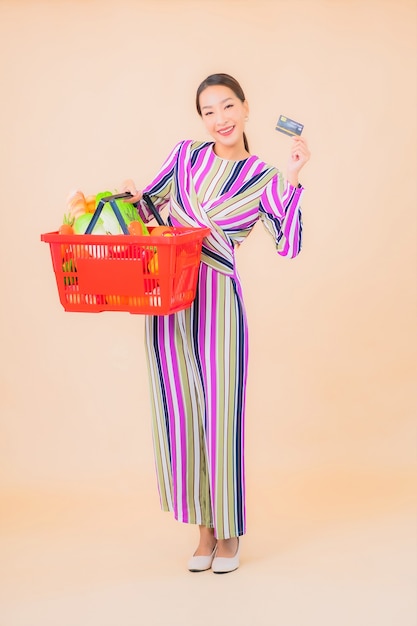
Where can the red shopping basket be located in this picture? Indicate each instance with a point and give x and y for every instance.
(154, 275)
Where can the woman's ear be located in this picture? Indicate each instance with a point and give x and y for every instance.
(246, 109)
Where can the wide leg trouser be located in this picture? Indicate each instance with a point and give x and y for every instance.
(197, 361)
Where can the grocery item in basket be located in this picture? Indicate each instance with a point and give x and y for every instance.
(79, 214)
(76, 204)
(82, 222)
(137, 228)
(67, 226)
(127, 210)
(165, 231)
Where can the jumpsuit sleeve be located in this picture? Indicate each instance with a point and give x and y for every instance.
(159, 189)
(280, 213)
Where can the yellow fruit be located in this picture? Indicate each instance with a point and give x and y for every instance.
(166, 231)
(153, 264)
(90, 202)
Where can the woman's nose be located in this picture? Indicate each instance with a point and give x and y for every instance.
(221, 118)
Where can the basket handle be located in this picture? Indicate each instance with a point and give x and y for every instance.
(147, 198)
(116, 211)
(111, 200)
(153, 209)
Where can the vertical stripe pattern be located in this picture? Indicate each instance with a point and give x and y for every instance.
(198, 399)
(197, 358)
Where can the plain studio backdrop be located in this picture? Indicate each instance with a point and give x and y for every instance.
(98, 91)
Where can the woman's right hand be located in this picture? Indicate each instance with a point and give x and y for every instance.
(129, 185)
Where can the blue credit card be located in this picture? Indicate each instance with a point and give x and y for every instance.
(289, 127)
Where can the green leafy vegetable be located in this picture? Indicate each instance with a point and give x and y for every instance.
(82, 221)
(128, 211)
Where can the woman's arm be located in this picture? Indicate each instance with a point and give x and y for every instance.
(280, 213)
(280, 209)
(159, 189)
(299, 156)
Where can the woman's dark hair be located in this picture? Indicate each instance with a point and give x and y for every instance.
(227, 81)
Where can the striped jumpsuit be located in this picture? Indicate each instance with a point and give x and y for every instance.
(197, 358)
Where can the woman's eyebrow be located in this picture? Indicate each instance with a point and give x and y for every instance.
(209, 106)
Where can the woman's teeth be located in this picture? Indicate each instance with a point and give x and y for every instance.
(226, 131)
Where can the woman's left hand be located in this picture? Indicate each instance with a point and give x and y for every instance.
(299, 156)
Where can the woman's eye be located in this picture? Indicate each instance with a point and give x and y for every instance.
(228, 106)
(208, 113)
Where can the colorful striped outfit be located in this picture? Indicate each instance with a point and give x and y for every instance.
(198, 357)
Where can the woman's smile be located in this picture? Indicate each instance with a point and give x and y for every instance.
(224, 116)
(226, 131)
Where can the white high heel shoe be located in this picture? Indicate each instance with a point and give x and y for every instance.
(223, 565)
(201, 563)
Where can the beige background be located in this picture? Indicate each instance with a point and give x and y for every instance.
(94, 92)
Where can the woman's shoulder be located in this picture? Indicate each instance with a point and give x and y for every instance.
(258, 165)
(266, 166)
(191, 147)
(198, 146)
(193, 144)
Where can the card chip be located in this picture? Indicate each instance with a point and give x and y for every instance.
(289, 127)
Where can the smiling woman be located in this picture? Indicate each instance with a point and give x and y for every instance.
(198, 357)
(222, 105)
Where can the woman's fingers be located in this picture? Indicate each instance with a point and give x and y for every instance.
(129, 186)
(136, 197)
(299, 156)
(299, 150)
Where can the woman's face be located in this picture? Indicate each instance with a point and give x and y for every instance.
(224, 116)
